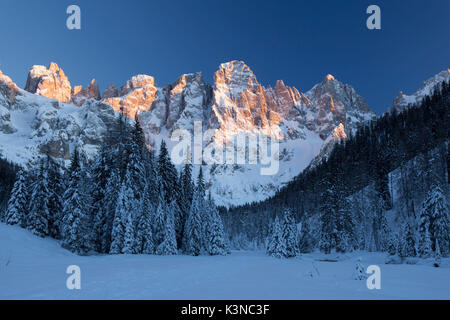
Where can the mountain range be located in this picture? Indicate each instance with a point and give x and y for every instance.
(51, 116)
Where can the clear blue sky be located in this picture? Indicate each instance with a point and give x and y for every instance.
(297, 41)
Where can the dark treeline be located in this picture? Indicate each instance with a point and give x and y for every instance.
(328, 199)
(7, 177)
(127, 201)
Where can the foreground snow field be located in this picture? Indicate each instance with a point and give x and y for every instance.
(34, 268)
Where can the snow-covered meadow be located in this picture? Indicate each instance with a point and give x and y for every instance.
(35, 268)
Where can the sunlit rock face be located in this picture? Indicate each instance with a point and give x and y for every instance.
(136, 95)
(239, 102)
(80, 94)
(339, 133)
(51, 83)
(242, 104)
(402, 100)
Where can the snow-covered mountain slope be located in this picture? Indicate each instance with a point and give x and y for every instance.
(402, 100)
(31, 125)
(51, 116)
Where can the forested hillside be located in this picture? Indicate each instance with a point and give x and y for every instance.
(7, 178)
(372, 185)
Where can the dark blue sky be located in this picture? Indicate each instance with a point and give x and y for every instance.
(297, 41)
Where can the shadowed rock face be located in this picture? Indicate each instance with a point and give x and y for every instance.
(80, 94)
(110, 92)
(178, 105)
(337, 103)
(402, 100)
(51, 83)
(8, 92)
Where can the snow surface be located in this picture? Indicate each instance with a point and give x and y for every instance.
(35, 268)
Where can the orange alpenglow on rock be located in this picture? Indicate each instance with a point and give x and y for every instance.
(135, 96)
(51, 83)
(339, 133)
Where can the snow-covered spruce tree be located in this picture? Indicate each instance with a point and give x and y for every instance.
(306, 239)
(385, 232)
(169, 244)
(39, 203)
(436, 212)
(437, 254)
(193, 231)
(55, 198)
(76, 220)
(329, 207)
(215, 233)
(187, 185)
(174, 208)
(100, 176)
(345, 235)
(123, 231)
(105, 219)
(168, 174)
(290, 234)
(16, 212)
(152, 181)
(392, 245)
(328, 231)
(407, 242)
(277, 243)
(136, 165)
(159, 220)
(144, 234)
(119, 224)
(185, 199)
(425, 249)
(359, 271)
(204, 211)
(121, 142)
(129, 241)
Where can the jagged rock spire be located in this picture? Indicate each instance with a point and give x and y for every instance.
(51, 83)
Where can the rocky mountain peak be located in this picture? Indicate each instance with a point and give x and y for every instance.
(80, 94)
(7, 82)
(51, 83)
(328, 77)
(135, 82)
(402, 100)
(136, 95)
(110, 91)
(234, 77)
(8, 93)
(338, 103)
(178, 105)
